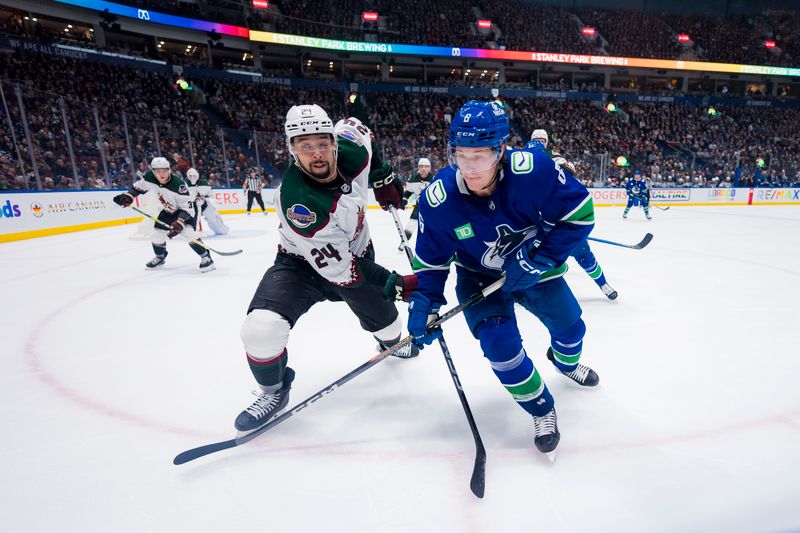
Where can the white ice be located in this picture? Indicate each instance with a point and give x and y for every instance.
(108, 371)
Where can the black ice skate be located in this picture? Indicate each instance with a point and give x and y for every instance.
(268, 404)
(546, 435)
(156, 262)
(582, 375)
(609, 292)
(206, 263)
(406, 352)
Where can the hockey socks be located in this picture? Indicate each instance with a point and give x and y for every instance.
(502, 346)
(596, 273)
(269, 372)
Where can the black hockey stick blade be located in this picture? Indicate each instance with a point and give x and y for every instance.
(662, 208)
(478, 481)
(641, 244)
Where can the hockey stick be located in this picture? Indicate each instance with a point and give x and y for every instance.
(478, 480)
(194, 453)
(642, 199)
(641, 244)
(196, 241)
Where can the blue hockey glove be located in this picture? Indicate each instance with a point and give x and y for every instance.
(420, 312)
(522, 272)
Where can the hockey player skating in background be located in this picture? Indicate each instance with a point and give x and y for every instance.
(200, 191)
(252, 188)
(486, 212)
(583, 252)
(325, 252)
(638, 194)
(178, 211)
(414, 187)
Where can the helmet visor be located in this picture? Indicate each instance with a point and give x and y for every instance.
(472, 160)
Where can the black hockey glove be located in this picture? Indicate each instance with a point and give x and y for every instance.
(399, 287)
(123, 199)
(388, 191)
(176, 228)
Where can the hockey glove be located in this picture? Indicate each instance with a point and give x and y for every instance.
(522, 271)
(176, 228)
(388, 191)
(420, 314)
(399, 287)
(123, 199)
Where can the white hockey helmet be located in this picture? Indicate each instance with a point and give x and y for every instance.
(159, 162)
(424, 162)
(540, 135)
(307, 120)
(192, 175)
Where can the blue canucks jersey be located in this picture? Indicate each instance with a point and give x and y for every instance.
(535, 200)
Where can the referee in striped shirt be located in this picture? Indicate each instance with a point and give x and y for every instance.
(253, 186)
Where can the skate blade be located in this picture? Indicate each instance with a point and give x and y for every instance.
(207, 269)
(551, 456)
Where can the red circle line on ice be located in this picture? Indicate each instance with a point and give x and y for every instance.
(61, 389)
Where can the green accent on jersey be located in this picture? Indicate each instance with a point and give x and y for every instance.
(566, 359)
(527, 390)
(464, 232)
(554, 273)
(201, 182)
(306, 206)
(174, 184)
(419, 265)
(352, 158)
(583, 214)
(435, 193)
(521, 162)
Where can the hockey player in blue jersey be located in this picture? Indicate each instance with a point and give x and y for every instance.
(485, 212)
(582, 253)
(638, 194)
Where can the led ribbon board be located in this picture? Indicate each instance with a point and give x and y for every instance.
(148, 15)
(512, 55)
(419, 50)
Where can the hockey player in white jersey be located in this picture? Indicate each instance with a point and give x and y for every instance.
(325, 252)
(200, 191)
(414, 187)
(178, 211)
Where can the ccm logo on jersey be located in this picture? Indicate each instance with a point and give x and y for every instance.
(301, 216)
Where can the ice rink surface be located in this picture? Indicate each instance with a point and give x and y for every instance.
(108, 371)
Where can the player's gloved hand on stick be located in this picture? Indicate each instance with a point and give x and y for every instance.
(176, 228)
(123, 199)
(523, 271)
(388, 191)
(399, 287)
(420, 313)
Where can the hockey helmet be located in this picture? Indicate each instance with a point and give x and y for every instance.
(541, 136)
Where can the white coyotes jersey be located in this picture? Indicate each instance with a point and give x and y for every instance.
(326, 224)
(174, 195)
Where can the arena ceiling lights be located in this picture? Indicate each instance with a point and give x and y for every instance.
(431, 51)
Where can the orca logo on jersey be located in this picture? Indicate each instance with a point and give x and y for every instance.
(301, 216)
(507, 241)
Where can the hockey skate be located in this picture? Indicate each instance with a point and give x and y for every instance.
(648, 217)
(582, 375)
(546, 434)
(609, 292)
(406, 352)
(156, 262)
(268, 404)
(206, 263)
